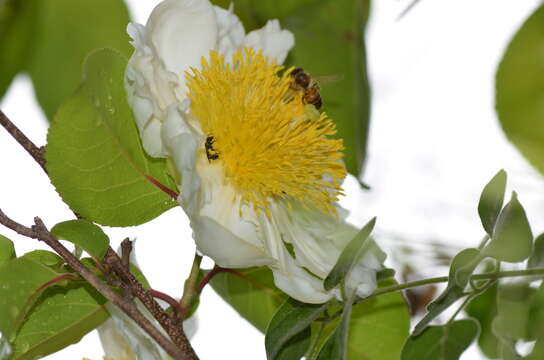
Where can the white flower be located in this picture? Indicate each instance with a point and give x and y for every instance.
(260, 173)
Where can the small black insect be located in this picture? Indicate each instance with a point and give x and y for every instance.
(211, 153)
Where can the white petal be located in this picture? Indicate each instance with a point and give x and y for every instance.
(289, 276)
(178, 33)
(274, 42)
(183, 139)
(122, 339)
(231, 32)
(225, 248)
(5, 348)
(182, 31)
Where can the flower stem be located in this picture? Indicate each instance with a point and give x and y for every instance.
(190, 289)
(435, 280)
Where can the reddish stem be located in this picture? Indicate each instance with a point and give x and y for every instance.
(56, 280)
(174, 195)
(166, 298)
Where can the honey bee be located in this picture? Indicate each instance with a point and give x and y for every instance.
(302, 81)
(211, 153)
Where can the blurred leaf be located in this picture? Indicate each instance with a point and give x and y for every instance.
(536, 315)
(536, 260)
(61, 317)
(319, 26)
(17, 18)
(291, 318)
(20, 278)
(520, 90)
(441, 342)
(102, 176)
(7, 250)
(66, 32)
(336, 346)
(512, 239)
(349, 256)
(253, 296)
(462, 266)
(484, 309)
(513, 305)
(491, 201)
(84, 234)
(296, 347)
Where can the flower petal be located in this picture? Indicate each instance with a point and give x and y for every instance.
(181, 32)
(223, 246)
(274, 42)
(231, 32)
(288, 275)
(122, 339)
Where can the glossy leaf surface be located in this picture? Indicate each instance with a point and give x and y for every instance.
(94, 155)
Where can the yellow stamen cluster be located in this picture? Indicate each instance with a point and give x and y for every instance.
(269, 143)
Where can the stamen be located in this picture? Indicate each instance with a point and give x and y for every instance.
(270, 147)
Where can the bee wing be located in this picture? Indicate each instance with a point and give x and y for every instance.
(328, 79)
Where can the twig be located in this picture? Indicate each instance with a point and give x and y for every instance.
(126, 249)
(40, 232)
(33, 150)
(187, 351)
(174, 330)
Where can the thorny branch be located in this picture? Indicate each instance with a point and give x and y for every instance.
(181, 348)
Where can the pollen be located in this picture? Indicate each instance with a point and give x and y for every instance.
(271, 145)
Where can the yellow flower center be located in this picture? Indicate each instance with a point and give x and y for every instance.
(271, 144)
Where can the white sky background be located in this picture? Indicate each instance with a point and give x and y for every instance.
(435, 141)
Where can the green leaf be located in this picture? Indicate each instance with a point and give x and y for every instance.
(256, 299)
(462, 266)
(17, 19)
(441, 342)
(378, 327)
(536, 260)
(84, 234)
(512, 239)
(349, 256)
(94, 155)
(45, 257)
(20, 278)
(513, 306)
(61, 317)
(519, 92)
(7, 250)
(491, 201)
(296, 347)
(318, 27)
(290, 319)
(336, 346)
(484, 309)
(65, 33)
(253, 294)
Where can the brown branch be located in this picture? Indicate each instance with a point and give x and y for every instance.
(33, 150)
(40, 232)
(126, 305)
(126, 249)
(172, 328)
